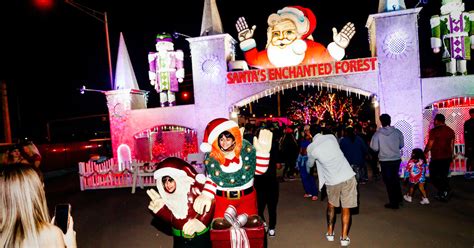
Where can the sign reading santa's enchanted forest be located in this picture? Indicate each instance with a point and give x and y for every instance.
(303, 71)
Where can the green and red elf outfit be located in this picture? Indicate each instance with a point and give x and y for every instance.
(230, 180)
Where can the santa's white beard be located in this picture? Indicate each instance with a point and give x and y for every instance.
(287, 56)
(177, 202)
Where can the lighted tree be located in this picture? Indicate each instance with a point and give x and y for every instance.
(323, 106)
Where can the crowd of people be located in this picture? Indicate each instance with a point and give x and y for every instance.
(343, 154)
(337, 156)
(22, 153)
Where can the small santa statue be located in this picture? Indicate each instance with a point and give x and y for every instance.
(166, 69)
(289, 40)
(231, 163)
(178, 186)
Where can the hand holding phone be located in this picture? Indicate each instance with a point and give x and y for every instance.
(61, 216)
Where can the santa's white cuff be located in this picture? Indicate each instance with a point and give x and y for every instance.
(336, 51)
(436, 42)
(248, 44)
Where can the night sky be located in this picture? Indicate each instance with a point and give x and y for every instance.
(47, 54)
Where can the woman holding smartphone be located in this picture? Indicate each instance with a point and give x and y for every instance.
(24, 212)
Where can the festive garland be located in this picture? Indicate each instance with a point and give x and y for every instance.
(237, 178)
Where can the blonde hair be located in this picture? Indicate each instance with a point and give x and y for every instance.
(24, 210)
(32, 149)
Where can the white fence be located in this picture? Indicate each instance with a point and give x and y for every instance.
(111, 175)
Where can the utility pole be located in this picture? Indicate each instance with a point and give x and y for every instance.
(101, 17)
(7, 132)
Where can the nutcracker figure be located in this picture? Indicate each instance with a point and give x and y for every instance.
(454, 32)
(166, 69)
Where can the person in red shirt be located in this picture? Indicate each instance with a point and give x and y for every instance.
(441, 146)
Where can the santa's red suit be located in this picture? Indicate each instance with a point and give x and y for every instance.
(166, 214)
(178, 205)
(315, 53)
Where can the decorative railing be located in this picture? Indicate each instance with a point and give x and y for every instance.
(110, 174)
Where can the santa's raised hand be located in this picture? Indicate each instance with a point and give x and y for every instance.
(244, 32)
(343, 38)
(156, 202)
(263, 144)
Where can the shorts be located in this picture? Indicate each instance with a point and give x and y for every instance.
(344, 193)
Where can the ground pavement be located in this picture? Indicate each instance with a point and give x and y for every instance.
(117, 218)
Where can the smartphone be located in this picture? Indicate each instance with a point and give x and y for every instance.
(61, 213)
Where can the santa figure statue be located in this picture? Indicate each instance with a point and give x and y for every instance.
(166, 69)
(231, 163)
(289, 40)
(178, 186)
(454, 32)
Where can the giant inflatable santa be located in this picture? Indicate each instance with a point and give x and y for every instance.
(289, 40)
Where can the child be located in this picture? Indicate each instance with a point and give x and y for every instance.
(415, 171)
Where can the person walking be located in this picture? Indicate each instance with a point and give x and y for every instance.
(267, 187)
(288, 153)
(355, 150)
(308, 181)
(415, 173)
(336, 173)
(441, 146)
(388, 141)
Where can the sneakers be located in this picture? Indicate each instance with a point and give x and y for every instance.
(307, 195)
(271, 232)
(407, 198)
(314, 198)
(346, 241)
(424, 201)
(330, 237)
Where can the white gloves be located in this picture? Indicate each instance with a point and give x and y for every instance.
(202, 203)
(156, 202)
(264, 142)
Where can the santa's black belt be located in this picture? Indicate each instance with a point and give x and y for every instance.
(234, 194)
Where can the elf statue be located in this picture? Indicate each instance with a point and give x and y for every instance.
(453, 31)
(231, 163)
(166, 69)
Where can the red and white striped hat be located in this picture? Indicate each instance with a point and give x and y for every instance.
(213, 129)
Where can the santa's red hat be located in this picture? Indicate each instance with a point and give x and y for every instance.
(176, 168)
(212, 131)
(304, 19)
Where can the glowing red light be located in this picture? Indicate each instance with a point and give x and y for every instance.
(185, 95)
(43, 4)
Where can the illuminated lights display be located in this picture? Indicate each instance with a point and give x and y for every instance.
(323, 106)
(303, 71)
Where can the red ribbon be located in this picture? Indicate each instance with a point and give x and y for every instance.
(234, 160)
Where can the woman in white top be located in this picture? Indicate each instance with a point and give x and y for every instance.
(24, 213)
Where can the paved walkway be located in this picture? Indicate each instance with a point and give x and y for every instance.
(117, 218)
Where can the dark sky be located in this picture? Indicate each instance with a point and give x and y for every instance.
(46, 55)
